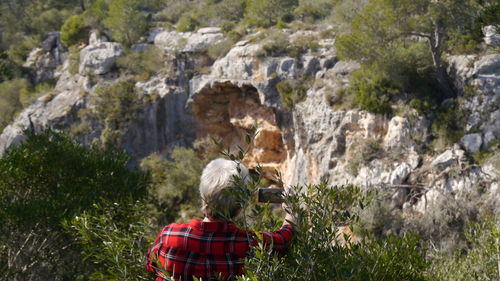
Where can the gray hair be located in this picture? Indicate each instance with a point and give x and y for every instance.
(218, 179)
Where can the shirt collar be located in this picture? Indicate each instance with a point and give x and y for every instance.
(213, 226)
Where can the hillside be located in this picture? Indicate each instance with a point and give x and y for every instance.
(407, 105)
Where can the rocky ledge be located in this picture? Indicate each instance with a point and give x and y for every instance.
(310, 143)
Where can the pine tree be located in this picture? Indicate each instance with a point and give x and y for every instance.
(125, 21)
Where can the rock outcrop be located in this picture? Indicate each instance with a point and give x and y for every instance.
(312, 142)
(99, 57)
(43, 62)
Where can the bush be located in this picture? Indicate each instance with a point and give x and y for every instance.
(479, 262)
(125, 21)
(142, 64)
(187, 23)
(292, 91)
(174, 193)
(29, 95)
(313, 10)
(266, 13)
(482, 156)
(116, 105)
(10, 104)
(301, 45)
(8, 68)
(274, 44)
(448, 125)
(74, 30)
(44, 181)
(220, 49)
(74, 59)
(322, 251)
(115, 237)
(19, 52)
(363, 152)
(372, 91)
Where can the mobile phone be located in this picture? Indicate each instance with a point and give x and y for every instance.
(270, 195)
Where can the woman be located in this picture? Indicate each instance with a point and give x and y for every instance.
(212, 248)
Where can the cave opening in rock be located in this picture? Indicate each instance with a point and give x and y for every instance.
(230, 111)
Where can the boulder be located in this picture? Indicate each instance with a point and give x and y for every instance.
(187, 41)
(472, 142)
(99, 58)
(400, 174)
(444, 160)
(491, 36)
(44, 61)
(489, 64)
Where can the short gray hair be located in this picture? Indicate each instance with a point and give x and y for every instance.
(217, 179)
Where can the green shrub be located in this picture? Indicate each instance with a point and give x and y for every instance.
(114, 237)
(448, 125)
(292, 91)
(116, 105)
(220, 49)
(45, 20)
(478, 262)
(174, 10)
(343, 13)
(363, 152)
(8, 68)
(174, 192)
(372, 91)
(143, 64)
(19, 52)
(266, 13)
(125, 21)
(229, 10)
(74, 59)
(96, 14)
(482, 156)
(274, 44)
(301, 45)
(187, 23)
(43, 181)
(74, 30)
(10, 104)
(313, 10)
(29, 95)
(321, 251)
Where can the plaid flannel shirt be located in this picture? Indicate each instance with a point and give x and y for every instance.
(207, 250)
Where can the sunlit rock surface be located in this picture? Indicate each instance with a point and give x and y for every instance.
(315, 141)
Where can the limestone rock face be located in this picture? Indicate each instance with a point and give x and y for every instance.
(472, 142)
(319, 139)
(52, 110)
(187, 41)
(44, 61)
(491, 36)
(98, 58)
(483, 74)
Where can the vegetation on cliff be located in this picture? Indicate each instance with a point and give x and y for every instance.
(74, 213)
(79, 213)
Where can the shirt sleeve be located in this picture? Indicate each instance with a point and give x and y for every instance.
(278, 240)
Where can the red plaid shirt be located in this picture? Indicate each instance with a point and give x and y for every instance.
(207, 249)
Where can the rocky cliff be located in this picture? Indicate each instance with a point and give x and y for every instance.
(194, 96)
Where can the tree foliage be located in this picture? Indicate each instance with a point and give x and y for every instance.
(116, 105)
(73, 30)
(265, 13)
(174, 192)
(44, 181)
(125, 21)
(384, 23)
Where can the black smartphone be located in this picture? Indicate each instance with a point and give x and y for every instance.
(270, 195)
